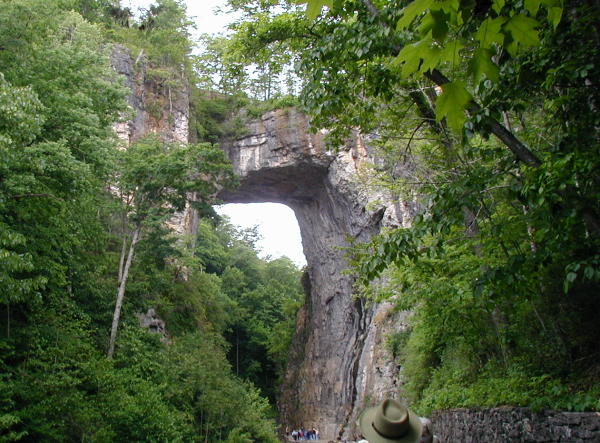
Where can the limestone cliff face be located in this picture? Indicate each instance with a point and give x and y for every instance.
(154, 107)
(338, 360)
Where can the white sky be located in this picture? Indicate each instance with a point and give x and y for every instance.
(201, 11)
(277, 223)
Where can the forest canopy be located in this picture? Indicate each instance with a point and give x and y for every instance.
(82, 226)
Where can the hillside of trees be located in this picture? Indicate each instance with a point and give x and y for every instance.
(80, 220)
(483, 113)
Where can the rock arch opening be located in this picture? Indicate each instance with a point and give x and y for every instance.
(333, 359)
(336, 365)
(277, 227)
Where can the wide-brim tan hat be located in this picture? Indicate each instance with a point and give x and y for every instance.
(390, 422)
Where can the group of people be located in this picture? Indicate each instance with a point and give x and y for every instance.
(388, 422)
(305, 434)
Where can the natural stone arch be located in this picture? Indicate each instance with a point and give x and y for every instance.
(336, 355)
(334, 361)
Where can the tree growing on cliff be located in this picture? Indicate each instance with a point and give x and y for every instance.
(58, 256)
(58, 97)
(156, 179)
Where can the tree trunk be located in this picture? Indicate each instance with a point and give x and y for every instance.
(124, 245)
(122, 258)
(121, 293)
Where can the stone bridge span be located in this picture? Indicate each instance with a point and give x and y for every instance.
(334, 362)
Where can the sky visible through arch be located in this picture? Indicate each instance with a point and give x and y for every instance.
(276, 223)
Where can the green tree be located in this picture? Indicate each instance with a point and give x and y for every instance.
(58, 100)
(506, 235)
(61, 226)
(157, 179)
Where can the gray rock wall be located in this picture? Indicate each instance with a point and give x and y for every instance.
(503, 425)
(154, 108)
(338, 359)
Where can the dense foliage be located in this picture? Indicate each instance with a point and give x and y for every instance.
(80, 218)
(485, 119)
(483, 115)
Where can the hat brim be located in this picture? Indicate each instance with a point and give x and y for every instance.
(413, 435)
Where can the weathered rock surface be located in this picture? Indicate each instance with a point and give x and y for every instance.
(503, 425)
(151, 321)
(153, 108)
(338, 358)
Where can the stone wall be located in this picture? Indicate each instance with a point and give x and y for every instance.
(507, 424)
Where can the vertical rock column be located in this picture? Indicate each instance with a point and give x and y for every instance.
(154, 110)
(320, 385)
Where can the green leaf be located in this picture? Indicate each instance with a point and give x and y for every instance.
(449, 6)
(497, 5)
(411, 12)
(482, 67)
(437, 22)
(489, 32)
(431, 56)
(523, 33)
(411, 56)
(533, 6)
(555, 11)
(568, 282)
(452, 103)
(451, 52)
(555, 15)
(313, 7)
